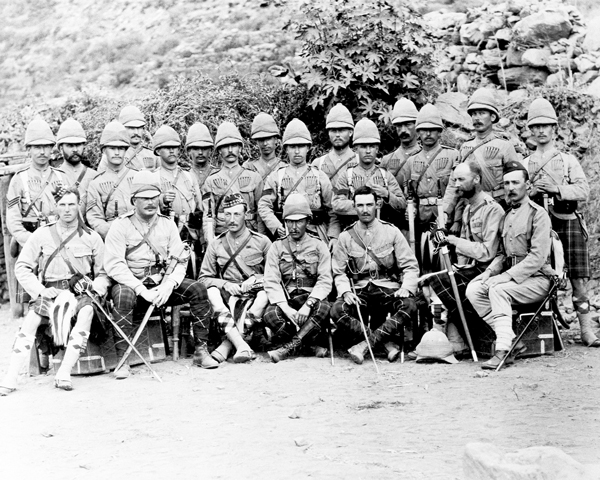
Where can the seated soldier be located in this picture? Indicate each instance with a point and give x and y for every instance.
(232, 270)
(144, 256)
(520, 273)
(297, 282)
(386, 272)
(62, 252)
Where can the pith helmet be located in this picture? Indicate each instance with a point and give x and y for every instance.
(429, 117)
(131, 116)
(296, 207)
(114, 135)
(264, 126)
(165, 136)
(296, 133)
(366, 132)
(435, 345)
(39, 133)
(228, 134)
(339, 117)
(70, 131)
(484, 99)
(199, 136)
(404, 111)
(541, 112)
(145, 184)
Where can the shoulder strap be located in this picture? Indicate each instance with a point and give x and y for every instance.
(295, 184)
(59, 247)
(222, 197)
(80, 178)
(233, 255)
(286, 243)
(113, 190)
(539, 170)
(358, 240)
(477, 147)
(145, 239)
(340, 166)
(41, 192)
(427, 168)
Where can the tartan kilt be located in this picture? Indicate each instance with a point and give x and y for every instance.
(22, 296)
(577, 258)
(42, 305)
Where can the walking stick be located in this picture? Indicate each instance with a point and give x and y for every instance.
(330, 343)
(450, 269)
(174, 261)
(410, 212)
(176, 323)
(364, 328)
(121, 332)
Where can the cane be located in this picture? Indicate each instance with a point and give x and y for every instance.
(174, 261)
(330, 342)
(364, 328)
(450, 269)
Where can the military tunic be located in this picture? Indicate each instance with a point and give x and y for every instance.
(393, 162)
(105, 202)
(137, 159)
(333, 165)
(217, 186)
(264, 170)
(187, 192)
(203, 173)
(31, 185)
(310, 182)
(72, 174)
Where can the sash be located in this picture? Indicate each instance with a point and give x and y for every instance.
(113, 190)
(59, 247)
(233, 255)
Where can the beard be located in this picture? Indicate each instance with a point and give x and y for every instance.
(467, 193)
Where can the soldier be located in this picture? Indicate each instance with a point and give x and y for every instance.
(231, 178)
(520, 273)
(427, 173)
(366, 172)
(404, 117)
(199, 146)
(54, 259)
(266, 133)
(297, 281)
(302, 178)
(30, 202)
(339, 125)
(378, 258)
(559, 182)
(71, 140)
(137, 157)
(233, 269)
(142, 256)
(109, 192)
(489, 150)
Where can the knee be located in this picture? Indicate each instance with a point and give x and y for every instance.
(31, 323)
(271, 318)
(123, 297)
(338, 309)
(473, 290)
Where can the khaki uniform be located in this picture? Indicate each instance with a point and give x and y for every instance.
(105, 202)
(393, 162)
(493, 153)
(524, 256)
(314, 184)
(136, 159)
(72, 178)
(357, 176)
(187, 193)
(203, 173)
(333, 165)
(26, 187)
(264, 171)
(217, 186)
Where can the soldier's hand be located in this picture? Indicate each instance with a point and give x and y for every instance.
(545, 185)
(289, 312)
(498, 279)
(168, 197)
(402, 293)
(163, 292)
(50, 292)
(381, 192)
(281, 232)
(483, 277)
(351, 299)
(148, 295)
(455, 228)
(100, 286)
(332, 243)
(303, 315)
(233, 289)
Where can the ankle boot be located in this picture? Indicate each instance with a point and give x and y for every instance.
(358, 352)
(203, 359)
(393, 351)
(588, 338)
(283, 352)
(243, 352)
(221, 353)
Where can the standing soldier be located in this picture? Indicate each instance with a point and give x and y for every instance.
(339, 125)
(137, 157)
(71, 142)
(378, 258)
(54, 259)
(142, 257)
(490, 151)
(231, 178)
(266, 133)
(520, 273)
(233, 269)
(297, 281)
(558, 184)
(109, 193)
(366, 172)
(302, 178)
(404, 117)
(427, 173)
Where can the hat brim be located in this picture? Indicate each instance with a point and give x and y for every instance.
(72, 140)
(116, 143)
(147, 194)
(367, 141)
(297, 216)
(199, 143)
(331, 125)
(134, 123)
(296, 141)
(40, 142)
(171, 143)
(449, 359)
(228, 141)
(482, 106)
(429, 125)
(542, 121)
(398, 120)
(257, 135)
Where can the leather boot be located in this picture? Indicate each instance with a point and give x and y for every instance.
(358, 352)
(203, 359)
(283, 352)
(221, 353)
(588, 338)
(243, 352)
(393, 351)
(493, 362)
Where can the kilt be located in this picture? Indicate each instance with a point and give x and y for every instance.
(577, 259)
(22, 296)
(42, 305)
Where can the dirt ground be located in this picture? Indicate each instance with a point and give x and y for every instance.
(298, 419)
